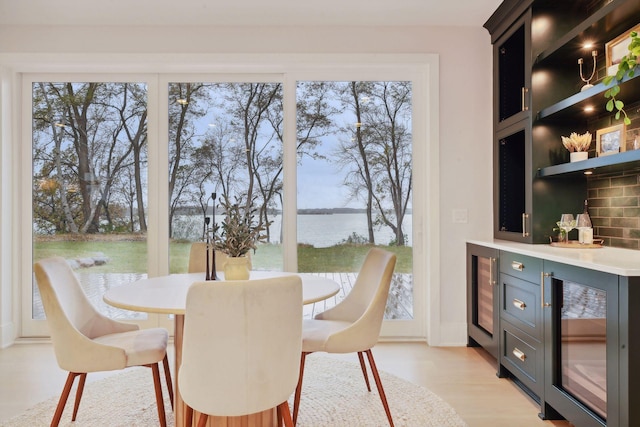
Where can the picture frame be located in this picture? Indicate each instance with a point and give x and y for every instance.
(616, 49)
(611, 140)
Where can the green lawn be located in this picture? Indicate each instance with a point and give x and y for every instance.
(131, 256)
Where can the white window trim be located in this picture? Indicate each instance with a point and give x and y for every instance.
(423, 69)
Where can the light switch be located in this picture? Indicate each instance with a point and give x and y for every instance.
(459, 216)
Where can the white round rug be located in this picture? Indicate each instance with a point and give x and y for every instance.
(333, 394)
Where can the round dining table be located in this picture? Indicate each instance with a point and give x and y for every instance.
(168, 295)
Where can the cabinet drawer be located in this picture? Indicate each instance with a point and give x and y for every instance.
(521, 305)
(521, 266)
(520, 356)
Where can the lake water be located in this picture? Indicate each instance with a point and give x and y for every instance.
(321, 231)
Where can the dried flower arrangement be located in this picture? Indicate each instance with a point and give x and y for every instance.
(239, 232)
(576, 142)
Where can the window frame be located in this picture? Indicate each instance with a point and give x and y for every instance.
(421, 69)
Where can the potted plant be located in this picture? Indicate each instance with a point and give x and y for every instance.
(578, 145)
(626, 68)
(236, 236)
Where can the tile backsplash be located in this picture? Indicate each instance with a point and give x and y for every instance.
(614, 207)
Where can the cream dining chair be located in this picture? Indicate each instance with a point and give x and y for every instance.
(86, 341)
(353, 325)
(241, 347)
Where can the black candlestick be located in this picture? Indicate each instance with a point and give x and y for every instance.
(212, 275)
(206, 232)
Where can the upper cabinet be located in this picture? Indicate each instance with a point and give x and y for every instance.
(544, 50)
(513, 76)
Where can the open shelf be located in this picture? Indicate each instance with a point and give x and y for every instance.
(627, 160)
(594, 97)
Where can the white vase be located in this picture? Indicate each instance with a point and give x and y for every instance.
(577, 156)
(236, 268)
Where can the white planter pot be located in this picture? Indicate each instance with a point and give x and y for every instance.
(578, 156)
(236, 268)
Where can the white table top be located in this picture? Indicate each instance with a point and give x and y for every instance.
(168, 294)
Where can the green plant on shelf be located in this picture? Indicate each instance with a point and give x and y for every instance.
(626, 68)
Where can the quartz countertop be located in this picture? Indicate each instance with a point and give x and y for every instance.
(623, 262)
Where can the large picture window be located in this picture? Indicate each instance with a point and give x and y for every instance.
(123, 171)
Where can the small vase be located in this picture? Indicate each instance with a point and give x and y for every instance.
(236, 268)
(577, 156)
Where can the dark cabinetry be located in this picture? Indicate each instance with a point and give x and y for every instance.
(482, 298)
(538, 99)
(568, 335)
(521, 321)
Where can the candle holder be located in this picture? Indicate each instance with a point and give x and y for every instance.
(210, 269)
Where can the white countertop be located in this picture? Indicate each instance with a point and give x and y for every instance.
(623, 262)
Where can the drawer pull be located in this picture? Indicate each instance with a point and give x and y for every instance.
(517, 265)
(519, 304)
(519, 354)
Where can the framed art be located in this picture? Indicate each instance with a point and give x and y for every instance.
(616, 49)
(610, 140)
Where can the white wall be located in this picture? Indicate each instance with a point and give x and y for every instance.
(465, 112)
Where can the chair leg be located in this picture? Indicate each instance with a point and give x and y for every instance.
(284, 414)
(202, 422)
(76, 406)
(364, 370)
(167, 377)
(188, 416)
(63, 398)
(296, 399)
(155, 368)
(383, 397)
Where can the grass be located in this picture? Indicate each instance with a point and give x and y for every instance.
(131, 255)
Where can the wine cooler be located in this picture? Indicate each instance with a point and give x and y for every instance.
(482, 298)
(581, 340)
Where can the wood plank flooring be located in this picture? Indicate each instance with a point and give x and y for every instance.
(464, 377)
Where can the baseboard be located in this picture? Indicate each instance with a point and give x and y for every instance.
(7, 334)
(453, 335)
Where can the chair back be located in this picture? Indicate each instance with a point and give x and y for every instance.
(73, 321)
(241, 345)
(365, 304)
(198, 258)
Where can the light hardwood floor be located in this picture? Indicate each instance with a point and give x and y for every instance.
(464, 377)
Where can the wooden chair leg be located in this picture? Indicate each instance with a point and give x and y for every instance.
(167, 377)
(364, 370)
(76, 405)
(376, 376)
(188, 416)
(202, 422)
(63, 398)
(296, 399)
(155, 368)
(284, 414)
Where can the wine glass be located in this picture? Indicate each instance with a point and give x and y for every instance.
(567, 223)
(583, 222)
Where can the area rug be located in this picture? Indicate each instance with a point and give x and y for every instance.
(334, 394)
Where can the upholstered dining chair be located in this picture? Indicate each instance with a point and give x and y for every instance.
(353, 325)
(86, 341)
(241, 347)
(198, 259)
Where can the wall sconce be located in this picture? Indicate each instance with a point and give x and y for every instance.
(588, 85)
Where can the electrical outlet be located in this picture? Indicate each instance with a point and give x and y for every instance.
(459, 216)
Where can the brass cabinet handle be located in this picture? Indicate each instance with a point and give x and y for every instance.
(542, 276)
(517, 265)
(519, 354)
(491, 278)
(525, 90)
(525, 233)
(519, 304)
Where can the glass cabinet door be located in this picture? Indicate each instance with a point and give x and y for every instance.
(581, 341)
(482, 297)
